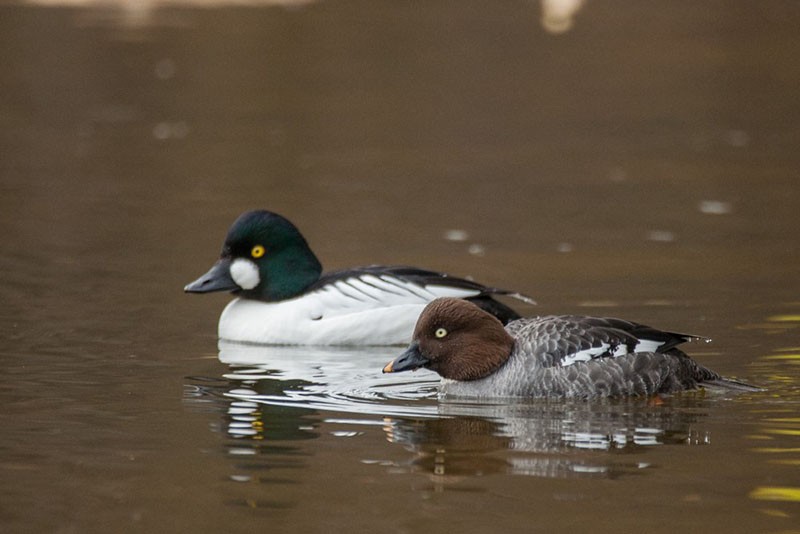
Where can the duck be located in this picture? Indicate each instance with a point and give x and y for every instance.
(554, 356)
(282, 297)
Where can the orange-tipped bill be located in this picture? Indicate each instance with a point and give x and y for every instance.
(410, 360)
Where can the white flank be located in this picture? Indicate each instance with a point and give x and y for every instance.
(365, 310)
(245, 273)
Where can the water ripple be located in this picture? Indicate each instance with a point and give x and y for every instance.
(331, 379)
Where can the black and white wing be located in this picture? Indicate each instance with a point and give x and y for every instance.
(382, 286)
(568, 339)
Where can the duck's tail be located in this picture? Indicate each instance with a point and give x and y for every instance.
(709, 378)
(729, 383)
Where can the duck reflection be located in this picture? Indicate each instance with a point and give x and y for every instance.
(263, 443)
(272, 396)
(271, 402)
(452, 449)
(244, 416)
(547, 439)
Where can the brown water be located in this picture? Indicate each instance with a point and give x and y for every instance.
(643, 163)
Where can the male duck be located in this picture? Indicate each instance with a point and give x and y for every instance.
(553, 356)
(284, 299)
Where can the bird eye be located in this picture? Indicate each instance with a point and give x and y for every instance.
(440, 333)
(257, 251)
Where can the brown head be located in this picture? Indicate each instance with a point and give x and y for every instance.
(456, 339)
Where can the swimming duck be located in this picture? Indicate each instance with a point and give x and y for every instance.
(552, 356)
(284, 299)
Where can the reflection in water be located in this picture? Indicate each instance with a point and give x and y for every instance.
(327, 378)
(558, 15)
(778, 434)
(247, 419)
(275, 395)
(262, 442)
(549, 438)
(143, 13)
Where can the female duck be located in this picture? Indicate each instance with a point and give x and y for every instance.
(555, 356)
(284, 299)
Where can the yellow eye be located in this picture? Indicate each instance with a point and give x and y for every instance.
(440, 333)
(257, 251)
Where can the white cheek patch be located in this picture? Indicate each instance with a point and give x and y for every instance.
(245, 273)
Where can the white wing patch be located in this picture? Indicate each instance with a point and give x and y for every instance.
(644, 345)
(647, 345)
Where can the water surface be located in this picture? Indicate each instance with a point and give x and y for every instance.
(633, 159)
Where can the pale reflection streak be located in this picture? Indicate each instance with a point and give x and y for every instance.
(143, 13)
(558, 15)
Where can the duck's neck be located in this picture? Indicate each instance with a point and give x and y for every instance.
(495, 361)
(480, 360)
